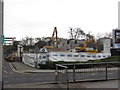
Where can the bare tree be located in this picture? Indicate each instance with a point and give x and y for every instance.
(25, 40)
(108, 35)
(102, 35)
(99, 35)
(28, 41)
(37, 39)
(76, 33)
(71, 33)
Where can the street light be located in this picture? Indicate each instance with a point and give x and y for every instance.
(1, 44)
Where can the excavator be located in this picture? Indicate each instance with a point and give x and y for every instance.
(11, 58)
(53, 38)
(83, 49)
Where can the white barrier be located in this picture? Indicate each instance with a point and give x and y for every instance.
(35, 59)
(73, 57)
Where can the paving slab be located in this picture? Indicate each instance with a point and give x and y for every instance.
(23, 68)
(100, 84)
(71, 85)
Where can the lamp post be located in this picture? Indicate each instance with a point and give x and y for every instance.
(1, 44)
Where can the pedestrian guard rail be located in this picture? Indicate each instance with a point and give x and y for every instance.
(66, 73)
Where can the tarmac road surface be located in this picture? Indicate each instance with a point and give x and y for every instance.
(13, 79)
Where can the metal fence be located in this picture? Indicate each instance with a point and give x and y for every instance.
(66, 73)
(62, 75)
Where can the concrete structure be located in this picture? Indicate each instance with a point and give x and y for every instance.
(67, 46)
(71, 44)
(63, 44)
(1, 45)
(104, 45)
(19, 50)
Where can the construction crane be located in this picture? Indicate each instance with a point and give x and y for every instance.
(54, 40)
(83, 49)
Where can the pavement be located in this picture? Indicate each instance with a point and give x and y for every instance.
(20, 67)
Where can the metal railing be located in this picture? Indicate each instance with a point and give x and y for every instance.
(62, 75)
(66, 73)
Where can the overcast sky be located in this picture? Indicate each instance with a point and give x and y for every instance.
(37, 18)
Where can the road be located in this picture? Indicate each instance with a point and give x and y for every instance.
(14, 78)
(11, 78)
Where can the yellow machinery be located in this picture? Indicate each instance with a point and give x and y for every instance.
(53, 38)
(83, 49)
(11, 57)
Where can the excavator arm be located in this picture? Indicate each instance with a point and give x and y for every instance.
(53, 38)
(83, 49)
(56, 37)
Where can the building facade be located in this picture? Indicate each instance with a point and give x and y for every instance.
(116, 38)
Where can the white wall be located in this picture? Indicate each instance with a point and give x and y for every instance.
(106, 45)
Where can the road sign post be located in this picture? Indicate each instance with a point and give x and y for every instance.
(1, 43)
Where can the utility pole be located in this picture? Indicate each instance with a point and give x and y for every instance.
(119, 15)
(1, 44)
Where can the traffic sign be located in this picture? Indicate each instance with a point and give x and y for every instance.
(2, 39)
